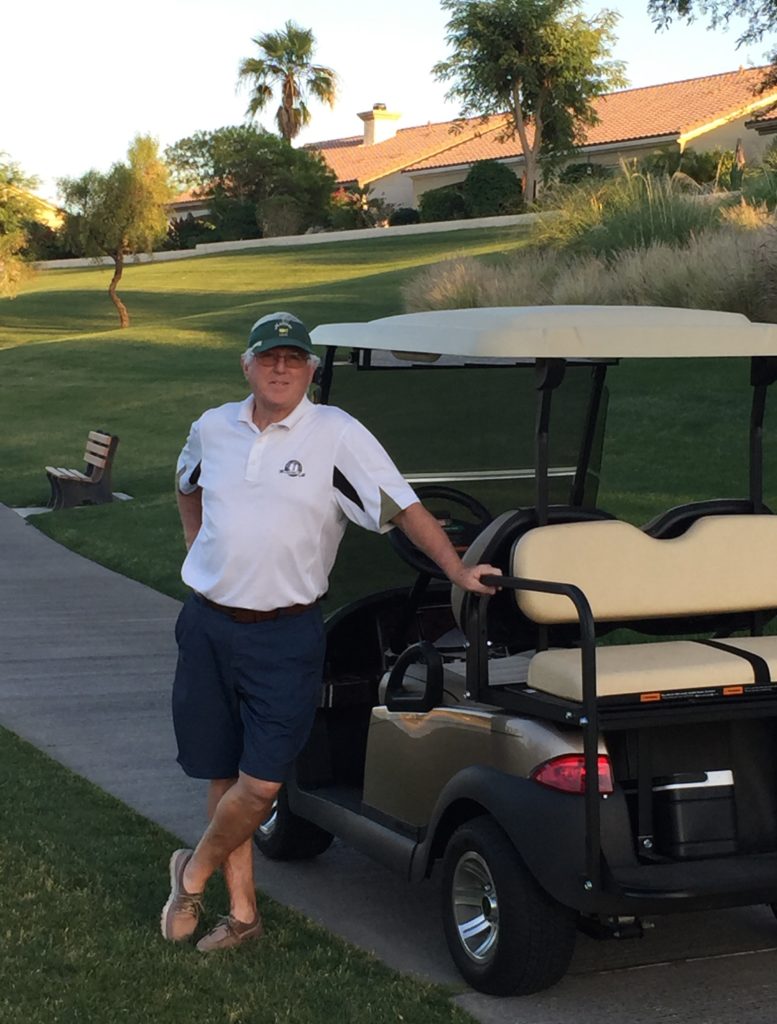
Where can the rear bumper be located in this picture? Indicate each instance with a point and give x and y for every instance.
(548, 830)
(731, 881)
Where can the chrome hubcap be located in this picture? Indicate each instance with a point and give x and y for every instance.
(475, 907)
(268, 825)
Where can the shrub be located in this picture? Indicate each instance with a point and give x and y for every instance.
(357, 208)
(769, 158)
(574, 174)
(761, 188)
(446, 203)
(44, 243)
(710, 166)
(188, 232)
(403, 215)
(280, 215)
(491, 189)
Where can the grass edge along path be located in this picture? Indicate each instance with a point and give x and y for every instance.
(82, 881)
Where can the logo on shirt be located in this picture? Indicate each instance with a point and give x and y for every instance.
(293, 468)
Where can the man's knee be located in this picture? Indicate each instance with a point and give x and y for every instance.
(257, 793)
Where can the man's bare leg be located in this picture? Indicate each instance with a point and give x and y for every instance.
(242, 806)
(238, 868)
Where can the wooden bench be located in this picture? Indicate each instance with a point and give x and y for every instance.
(721, 565)
(90, 486)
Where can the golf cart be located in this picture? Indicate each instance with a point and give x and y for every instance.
(564, 779)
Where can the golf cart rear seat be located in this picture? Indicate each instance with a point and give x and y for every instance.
(722, 564)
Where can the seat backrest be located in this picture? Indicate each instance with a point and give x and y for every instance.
(721, 564)
(98, 454)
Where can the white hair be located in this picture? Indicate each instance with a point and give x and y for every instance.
(250, 355)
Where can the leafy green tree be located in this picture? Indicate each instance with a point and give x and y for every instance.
(540, 61)
(241, 168)
(119, 213)
(17, 211)
(285, 63)
(760, 17)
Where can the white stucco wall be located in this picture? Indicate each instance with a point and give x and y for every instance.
(726, 137)
(394, 188)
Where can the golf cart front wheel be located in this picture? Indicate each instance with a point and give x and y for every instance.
(505, 934)
(285, 836)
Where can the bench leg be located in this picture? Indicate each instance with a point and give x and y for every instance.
(75, 493)
(55, 501)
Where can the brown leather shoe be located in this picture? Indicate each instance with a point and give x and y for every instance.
(182, 911)
(229, 932)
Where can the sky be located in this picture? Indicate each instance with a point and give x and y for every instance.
(79, 80)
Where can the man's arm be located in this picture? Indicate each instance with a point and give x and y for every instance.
(427, 534)
(190, 511)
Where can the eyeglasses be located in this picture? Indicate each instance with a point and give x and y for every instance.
(294, 358)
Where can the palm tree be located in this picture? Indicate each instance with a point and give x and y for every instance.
(285, 63)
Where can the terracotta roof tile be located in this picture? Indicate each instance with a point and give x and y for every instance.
(668, 110)
(352, 161)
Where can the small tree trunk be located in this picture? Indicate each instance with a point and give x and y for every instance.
(118, 259)
(529, 152)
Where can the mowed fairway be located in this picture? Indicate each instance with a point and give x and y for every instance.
(676, 431)
(66, 368)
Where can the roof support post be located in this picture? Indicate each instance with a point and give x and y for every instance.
(763, 372)
(549, 374)
(324, 374)
(598, 374)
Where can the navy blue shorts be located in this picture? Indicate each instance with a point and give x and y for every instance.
(245, 694)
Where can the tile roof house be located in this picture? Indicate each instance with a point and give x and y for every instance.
(402, 163)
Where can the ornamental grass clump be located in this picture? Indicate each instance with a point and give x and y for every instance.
(630, 211)
(731, 268)
(467, 283)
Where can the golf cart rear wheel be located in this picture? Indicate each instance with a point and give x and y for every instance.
(505, 934)
(285, 836)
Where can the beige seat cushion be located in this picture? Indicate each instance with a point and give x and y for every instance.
(651, 668)
(721, 564)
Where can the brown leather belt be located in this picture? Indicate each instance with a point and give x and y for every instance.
(251, 615)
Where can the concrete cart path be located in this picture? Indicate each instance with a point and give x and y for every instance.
(86, 660)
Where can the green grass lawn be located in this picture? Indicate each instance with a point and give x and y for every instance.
(65, 368)
(80, 876)
(82, 882)
(677, 430)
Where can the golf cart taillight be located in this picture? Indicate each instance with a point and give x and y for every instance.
(567, 773)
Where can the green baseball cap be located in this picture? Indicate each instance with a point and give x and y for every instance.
(278, 329)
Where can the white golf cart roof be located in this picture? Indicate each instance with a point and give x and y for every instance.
(559, 332)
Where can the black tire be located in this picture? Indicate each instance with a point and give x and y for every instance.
(526, 940)
(285, 836)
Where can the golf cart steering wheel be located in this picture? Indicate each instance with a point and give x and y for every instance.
(461, 531)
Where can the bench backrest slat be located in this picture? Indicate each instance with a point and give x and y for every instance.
(95, 460)
(97, 449)
(721, 564)
(98, 435)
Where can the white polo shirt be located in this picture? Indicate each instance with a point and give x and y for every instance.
(276, 502)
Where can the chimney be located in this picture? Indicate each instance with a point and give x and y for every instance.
(379, 124)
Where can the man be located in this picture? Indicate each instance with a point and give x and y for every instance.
(265, 488)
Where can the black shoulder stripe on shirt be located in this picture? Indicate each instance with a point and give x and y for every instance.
(346, 488)
(194, 476)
